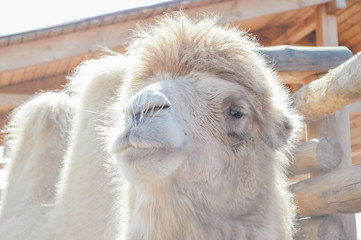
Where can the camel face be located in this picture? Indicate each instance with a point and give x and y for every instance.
(166, 125)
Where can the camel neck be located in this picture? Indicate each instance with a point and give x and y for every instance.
(168, 213)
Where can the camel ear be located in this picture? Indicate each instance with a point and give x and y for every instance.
(280, 134)
(283, 131)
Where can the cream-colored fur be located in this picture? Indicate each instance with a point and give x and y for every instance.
(38, 140)
(184, 137)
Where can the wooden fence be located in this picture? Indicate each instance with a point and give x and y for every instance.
(332, 187)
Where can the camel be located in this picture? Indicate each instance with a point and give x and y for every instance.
(185, 136)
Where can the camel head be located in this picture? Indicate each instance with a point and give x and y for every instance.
(199, 104)
(201, 128)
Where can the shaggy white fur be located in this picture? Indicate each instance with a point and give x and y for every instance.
(184, 137)
(38, 140)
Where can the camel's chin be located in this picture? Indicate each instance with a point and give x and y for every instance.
(146, 164)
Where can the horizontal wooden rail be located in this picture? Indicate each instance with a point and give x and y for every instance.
(339, 87)
(9, 101)
(320, 228)
(292, 58)
(316, 155)
(336, 192)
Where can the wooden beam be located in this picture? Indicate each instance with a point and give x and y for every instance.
(335, 5)
(10, 101)
(326, 27)
(340, 87)
(356, 160)
(313, 77)
(35, 86)
(63, 46)
(115, 35)
(320, 228)
(336, 192)
(356, 151)
(355, 107)
(255, 24)
(292, 58)
(297, 32)
(316, 155)
(245, 9)
(295, 77)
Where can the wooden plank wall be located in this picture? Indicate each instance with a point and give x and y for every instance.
(349, 26)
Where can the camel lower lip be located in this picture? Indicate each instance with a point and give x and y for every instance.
(123, 148)
(123, 144)
(132, 152)
(128, 146)
(135, 148)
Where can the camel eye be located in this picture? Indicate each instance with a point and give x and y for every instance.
(236, 113)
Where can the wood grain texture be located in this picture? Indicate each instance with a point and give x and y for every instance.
(316, 155)
(293, 58)
(9, 101)
(327, 227)
(340, 87)
(336, 192)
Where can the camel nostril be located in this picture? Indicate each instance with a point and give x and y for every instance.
(148, 103)
(155, 110)
(151, 110)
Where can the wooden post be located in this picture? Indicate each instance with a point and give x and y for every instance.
(334, 192)
(326, 27)
(305, 59)
(355, 115)
(336, 125)
(320, 228)
(334, 5)
(338, 88)
(316, 155)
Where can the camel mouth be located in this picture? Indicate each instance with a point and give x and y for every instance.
(132, 147)
(139, 164)
(122, 144)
